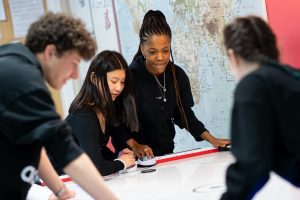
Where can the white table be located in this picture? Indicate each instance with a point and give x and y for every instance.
(197, 174)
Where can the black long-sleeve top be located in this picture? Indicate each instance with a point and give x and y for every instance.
(157, 118)
(88, 134)
(265, 131)
(28, 121)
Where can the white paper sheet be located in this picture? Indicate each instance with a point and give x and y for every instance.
(24, 13)
(2, 11)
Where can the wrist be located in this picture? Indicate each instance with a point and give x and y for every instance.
(132, 143)
(208, 137)
(61, 191)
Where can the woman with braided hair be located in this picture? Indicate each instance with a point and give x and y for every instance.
(163, 93)
(266, 110)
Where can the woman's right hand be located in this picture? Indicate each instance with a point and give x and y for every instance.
(140, 150)
(128, 159)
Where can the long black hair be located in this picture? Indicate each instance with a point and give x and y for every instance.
(155, 23)
(95, 94)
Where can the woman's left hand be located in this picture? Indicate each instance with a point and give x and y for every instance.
(216, 142)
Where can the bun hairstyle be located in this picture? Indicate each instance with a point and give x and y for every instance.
(252, 39)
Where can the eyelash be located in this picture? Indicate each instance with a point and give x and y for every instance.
(114, 82)
(154, 52)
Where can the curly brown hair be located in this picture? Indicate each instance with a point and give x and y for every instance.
(65, 32)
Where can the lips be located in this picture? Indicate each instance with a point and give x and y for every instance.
(115, 95)
(160, 64)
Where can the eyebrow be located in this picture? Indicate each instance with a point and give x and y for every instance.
(76, 62)
(161, 48)
(114, 77)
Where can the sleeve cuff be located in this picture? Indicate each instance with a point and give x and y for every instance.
(121, 162)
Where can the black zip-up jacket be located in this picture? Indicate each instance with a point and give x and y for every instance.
(28, 121)
(157, 118)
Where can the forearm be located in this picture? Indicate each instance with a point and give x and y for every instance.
(87, 176)
(207, 136)
(48, 174)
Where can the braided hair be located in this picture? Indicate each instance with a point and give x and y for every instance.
(155, 23)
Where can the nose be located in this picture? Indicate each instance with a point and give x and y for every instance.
(74, 74)
(159, 56)
(119, 87)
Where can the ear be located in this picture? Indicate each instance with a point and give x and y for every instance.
(233, 58)
(93, 78)
(142, 50)
(50, 51)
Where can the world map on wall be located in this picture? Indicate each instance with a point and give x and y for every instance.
(197, 47)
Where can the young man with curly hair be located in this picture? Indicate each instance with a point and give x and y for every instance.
(29, 124)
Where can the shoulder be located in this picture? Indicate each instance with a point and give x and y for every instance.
(81, 114)
(19, 75)
(181, 76)
(180, 73)
(179, 70)
(136, 63)
(281, 76)
(21, 72)
(83, 122)
(251, 86)
(17, 84)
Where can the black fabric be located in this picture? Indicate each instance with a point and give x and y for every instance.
(265, 131)
(157, 118)
(28, 121)
(88, 134)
